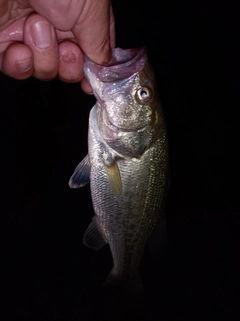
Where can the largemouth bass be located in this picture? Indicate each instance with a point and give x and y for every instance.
(127, 161)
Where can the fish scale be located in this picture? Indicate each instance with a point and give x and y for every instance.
(123, 220)
(127, 162)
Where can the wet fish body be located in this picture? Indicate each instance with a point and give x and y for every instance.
(127, 161)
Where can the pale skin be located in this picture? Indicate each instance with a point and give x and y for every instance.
(48, 38)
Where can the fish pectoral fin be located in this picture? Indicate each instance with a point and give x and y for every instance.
(114, 178)
(81, 174)
(93, 237)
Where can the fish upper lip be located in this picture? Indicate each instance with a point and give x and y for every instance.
(122, 65)
(125, 58)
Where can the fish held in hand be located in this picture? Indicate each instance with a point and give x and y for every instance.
(127, 161)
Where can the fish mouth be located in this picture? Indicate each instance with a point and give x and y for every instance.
(123, 64)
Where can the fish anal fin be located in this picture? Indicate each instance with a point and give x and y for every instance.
(93, 237)
(81, 174)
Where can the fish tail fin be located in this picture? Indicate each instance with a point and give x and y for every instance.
(131, 286)
(124, 295)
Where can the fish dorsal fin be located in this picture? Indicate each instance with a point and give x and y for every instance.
(157, 242)
(93, 237)
(114, 178)
(81, 174)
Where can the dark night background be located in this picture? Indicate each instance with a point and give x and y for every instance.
(46, 273)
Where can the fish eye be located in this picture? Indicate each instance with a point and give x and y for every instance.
(144, 95)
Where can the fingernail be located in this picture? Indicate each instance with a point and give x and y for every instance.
(41, 34)
(70, 58)
(24, 65)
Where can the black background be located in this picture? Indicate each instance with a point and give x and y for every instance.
(46, 271)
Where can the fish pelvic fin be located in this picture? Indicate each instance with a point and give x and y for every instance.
(93, 237)
(81, 174)
(114, 178)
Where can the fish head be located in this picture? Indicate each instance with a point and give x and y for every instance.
(127, 100)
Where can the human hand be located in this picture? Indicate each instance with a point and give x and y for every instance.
(46, 38)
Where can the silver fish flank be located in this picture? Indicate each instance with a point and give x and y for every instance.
(127, 161)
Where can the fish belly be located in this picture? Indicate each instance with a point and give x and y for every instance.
(128, 220)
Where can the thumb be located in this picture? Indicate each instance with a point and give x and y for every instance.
(95, 31)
